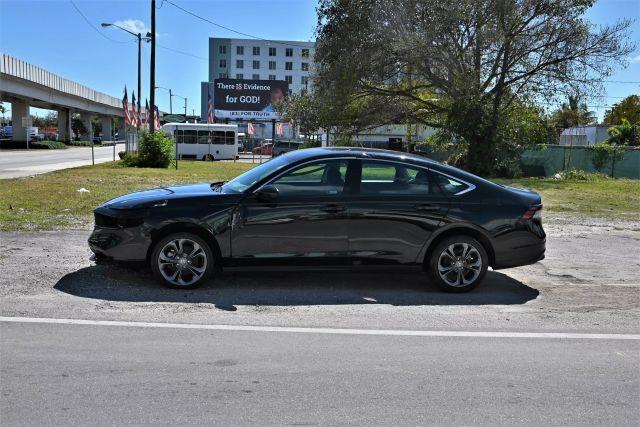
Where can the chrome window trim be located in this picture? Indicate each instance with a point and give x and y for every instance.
(470, 186)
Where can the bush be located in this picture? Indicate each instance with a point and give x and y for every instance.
(79, 143)
(51, 145)
(580, 175)
(155, 150)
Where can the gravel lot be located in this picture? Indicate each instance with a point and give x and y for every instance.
(588, 282)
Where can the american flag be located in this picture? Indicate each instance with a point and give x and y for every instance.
(156, 118)
(146, 108)
(135, 118)
(125, 107)
(210, 116)
(250, 129)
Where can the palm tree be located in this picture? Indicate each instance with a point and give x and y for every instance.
(573, 113)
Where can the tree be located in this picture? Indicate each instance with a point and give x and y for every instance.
(459, 65)
(572, 113)
(77, 126)
(624, 134)
(628, 108)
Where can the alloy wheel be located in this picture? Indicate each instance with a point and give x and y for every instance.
(459, 264)
(182, 262)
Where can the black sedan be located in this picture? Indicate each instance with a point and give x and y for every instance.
(327, 206)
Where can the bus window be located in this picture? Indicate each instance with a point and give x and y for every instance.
(231, 138)
(190, 137)
(204, 137)
(177, 135)
(218, 137)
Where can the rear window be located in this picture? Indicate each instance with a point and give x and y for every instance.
(449, 185)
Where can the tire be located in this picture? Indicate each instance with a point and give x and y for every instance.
(182, 261)
(472, 262)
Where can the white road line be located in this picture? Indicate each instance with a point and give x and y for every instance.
(338, 331)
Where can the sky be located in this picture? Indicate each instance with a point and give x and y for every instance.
(53, 35)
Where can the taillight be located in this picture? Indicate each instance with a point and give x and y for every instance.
(534, 212)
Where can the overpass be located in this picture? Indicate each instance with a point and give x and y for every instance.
(24, 85)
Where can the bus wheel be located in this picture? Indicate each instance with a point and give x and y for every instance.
(207, 158)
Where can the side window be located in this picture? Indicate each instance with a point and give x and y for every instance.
(190, 136)
(204, 137)
(449, 185)
(218, 137)
(318, 179)
(230, 137)
(177, 134)
(383, 178)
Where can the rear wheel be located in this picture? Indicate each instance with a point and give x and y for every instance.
(182, 260)
(458, 264)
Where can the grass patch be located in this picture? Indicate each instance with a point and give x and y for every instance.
(51, 201)
(607, 198)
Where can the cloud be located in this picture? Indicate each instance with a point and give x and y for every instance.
(634, 58)
(134, 25)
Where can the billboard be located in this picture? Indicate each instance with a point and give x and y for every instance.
(246, 99)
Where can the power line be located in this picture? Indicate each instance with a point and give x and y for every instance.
(93, 26)
(230, 29)
(181, 52)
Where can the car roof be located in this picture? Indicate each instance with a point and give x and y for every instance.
(360, 152)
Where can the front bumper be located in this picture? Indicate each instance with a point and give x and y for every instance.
(119, 238)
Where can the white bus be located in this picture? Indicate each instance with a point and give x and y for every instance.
(204, 141)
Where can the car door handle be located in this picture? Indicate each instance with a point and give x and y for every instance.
(427, 207)
(333, 209)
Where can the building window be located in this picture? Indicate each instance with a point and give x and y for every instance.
(256, 50)
(239, 50)
(272, 76)
(305, 66)
(239, 76)
(272, 51)
(305, 53)
(304, 80)
(272, 65)
(256, 77)
(256, 65)
(222, 75)
(223, 63)
(289, 51)
(222, 49)
(288, 65)
(289, 79)
(239, 63)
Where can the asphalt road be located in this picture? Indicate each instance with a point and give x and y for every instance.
(19, 163)
(88, 375)
(464, 359)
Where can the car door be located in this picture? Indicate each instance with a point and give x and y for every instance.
(305, 223)
(393, 212)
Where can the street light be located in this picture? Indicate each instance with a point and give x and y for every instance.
(140, 38)
(185, 106)
(170, 98)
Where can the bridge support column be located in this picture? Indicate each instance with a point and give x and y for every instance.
(85, 118)
(19, 110)
(64, 125)
(106, 128)
(121, 129)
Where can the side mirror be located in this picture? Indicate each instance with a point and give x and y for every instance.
(267, 193)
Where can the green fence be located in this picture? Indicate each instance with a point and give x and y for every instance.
(551, 159)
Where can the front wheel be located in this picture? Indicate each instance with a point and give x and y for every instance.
(182, 260)
(458, 264)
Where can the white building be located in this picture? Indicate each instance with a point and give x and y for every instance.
(291, 61)
(584, 135)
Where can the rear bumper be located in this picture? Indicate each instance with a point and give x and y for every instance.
(522, 254)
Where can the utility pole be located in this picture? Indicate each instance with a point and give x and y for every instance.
(152, 77)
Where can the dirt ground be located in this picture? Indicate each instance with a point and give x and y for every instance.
(588, 281)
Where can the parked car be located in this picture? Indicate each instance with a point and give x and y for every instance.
(264, 149)
(281, 147)
(325, 206)
(97, 139)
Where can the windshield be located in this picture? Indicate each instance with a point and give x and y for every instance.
(250, 177)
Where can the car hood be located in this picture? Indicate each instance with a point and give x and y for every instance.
(159, 196)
